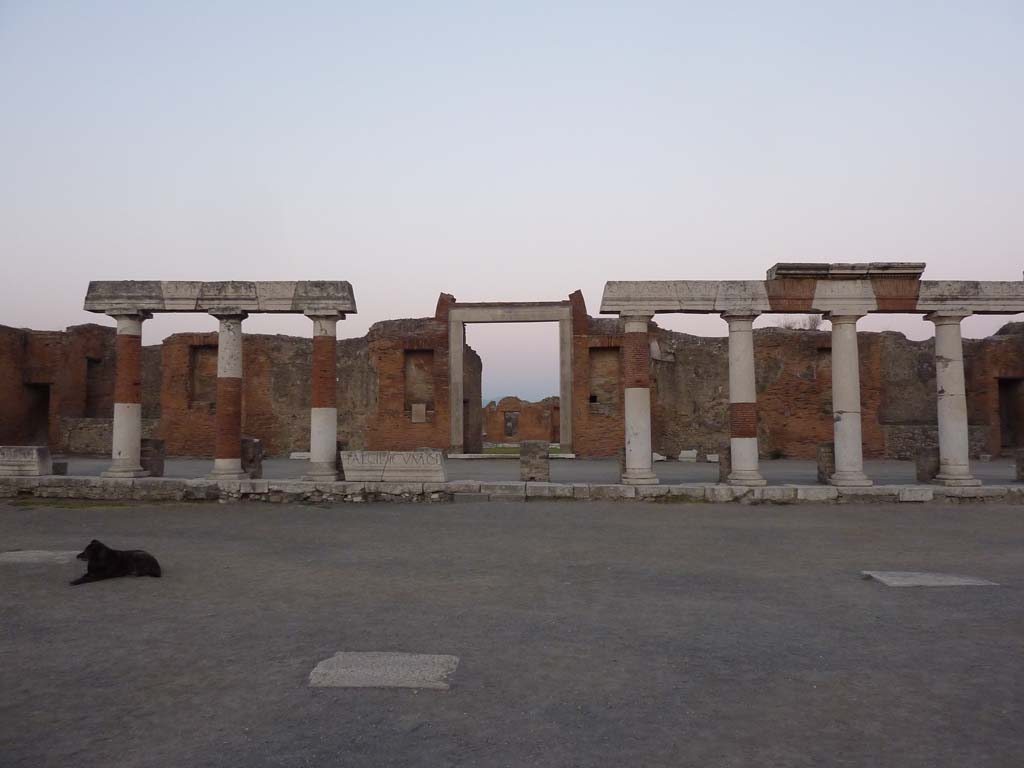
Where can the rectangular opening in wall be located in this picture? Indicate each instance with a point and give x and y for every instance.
(1011, 412)
(511, 423)
(98, 389)
(419, 378)
(605, 377)
(202, 376)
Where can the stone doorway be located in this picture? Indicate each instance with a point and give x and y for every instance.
(501, 312)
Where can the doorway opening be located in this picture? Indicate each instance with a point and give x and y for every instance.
(1011, 413)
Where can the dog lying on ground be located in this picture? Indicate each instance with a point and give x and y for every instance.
(107, 563)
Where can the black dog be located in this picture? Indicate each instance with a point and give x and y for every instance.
(107, 563)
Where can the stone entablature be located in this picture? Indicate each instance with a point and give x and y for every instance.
(276, 297)
(793, 289)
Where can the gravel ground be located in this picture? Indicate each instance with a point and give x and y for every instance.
(588, 634)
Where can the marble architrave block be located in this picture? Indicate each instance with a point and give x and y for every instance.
(25, 461)
(394, 466)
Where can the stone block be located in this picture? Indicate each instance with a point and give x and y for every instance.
(1019, 463)
(689, 457)
(826, 456)
(158, 489)
(816, 493)
(651, 491)
(462, 486)
(510, 490)
(252, 457)
(200, 489)
(686, 492)
(153, 454)
(549, 490)
(775, 494)
(724, 463)
(399, 489)
(926, 463)
(59, 467)
(534, 464)
(971, 491)
(580, 491)
(713, 458)
(394, 466)
(724, 493)
(419, 413)
(25, 461)
(612, 492)
(915, 494)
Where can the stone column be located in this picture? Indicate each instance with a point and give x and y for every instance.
(127, 438)
(954, 464)
(636, 376)
(323, 415)
(227, 461)
(849, 448)
(742, 401)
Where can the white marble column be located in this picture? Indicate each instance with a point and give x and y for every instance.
(954, 463)
(742, 401)
(227, 461)
(126, 449)
(636, 375)
(846, 403)
(323, 415)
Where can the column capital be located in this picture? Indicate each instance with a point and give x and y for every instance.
(132, 314)
(947, 316)
(636, 315)
(228, 313)
(739, 315)
(324, 314)
(636, 323)
(842, 318)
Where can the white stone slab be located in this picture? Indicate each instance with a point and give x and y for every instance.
(384, 670)
(46, 556)
(688, 456)
(925, 579)
(394, 466)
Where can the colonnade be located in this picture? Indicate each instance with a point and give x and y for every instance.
(227, 461)
(849, 456)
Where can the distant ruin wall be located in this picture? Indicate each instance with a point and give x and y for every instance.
(512, 420)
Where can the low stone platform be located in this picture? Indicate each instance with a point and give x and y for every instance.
(297, 491)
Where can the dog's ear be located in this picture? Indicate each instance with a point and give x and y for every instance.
(94, 542)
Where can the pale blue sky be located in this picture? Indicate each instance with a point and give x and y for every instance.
(501, 151)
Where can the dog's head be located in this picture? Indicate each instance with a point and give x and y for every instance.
(94, 548)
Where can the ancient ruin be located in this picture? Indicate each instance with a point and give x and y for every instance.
(625, 385)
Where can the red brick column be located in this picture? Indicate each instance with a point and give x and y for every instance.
(126, 448)
(636, 378)
(227, 455)
(323, 416)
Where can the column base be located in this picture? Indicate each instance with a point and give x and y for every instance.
(746, 477)
(321, 472)
(954, 481)
(125, 472)
(639, 477)
(850, 479)
(228, 469)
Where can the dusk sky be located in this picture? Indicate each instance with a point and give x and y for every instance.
(513, 151)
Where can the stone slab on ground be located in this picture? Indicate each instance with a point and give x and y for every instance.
(46, 556)
(926, 579)
(384, 670)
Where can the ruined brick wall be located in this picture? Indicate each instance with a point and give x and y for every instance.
(275, 393)
(690, 394)
(597, 389)
(410, 358)
(512, 420)
(46, 376)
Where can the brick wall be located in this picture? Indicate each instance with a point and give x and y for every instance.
(532, 421)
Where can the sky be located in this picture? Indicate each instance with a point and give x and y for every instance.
(501, 152)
